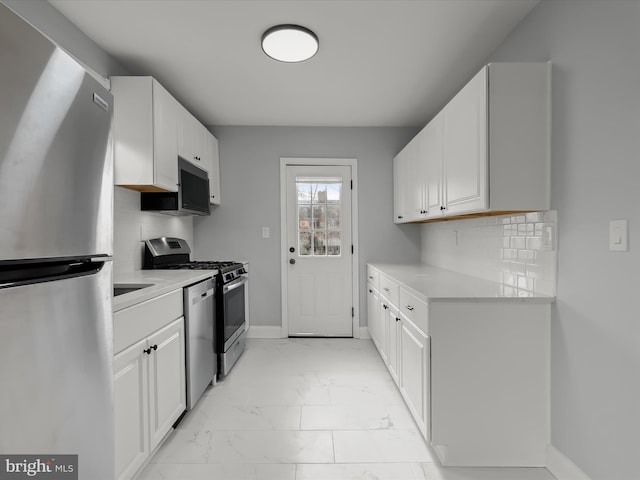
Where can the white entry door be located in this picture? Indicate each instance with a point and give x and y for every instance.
(319, 250)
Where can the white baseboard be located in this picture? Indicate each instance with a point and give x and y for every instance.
(363, 333)
(561, 467)
(260, 331)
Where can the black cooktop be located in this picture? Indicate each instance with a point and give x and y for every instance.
(204, 265)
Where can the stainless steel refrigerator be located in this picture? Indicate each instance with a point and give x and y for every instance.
(56, 237)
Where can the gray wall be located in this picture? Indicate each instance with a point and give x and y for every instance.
(250, 191)
(595, 365)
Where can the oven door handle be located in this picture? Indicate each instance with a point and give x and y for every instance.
(233, 285)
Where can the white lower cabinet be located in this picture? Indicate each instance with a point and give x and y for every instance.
(149, 378)
(373, 317)
(167, 383)
(131, 402)
(474, 372)
(415, 372)
(392, 326)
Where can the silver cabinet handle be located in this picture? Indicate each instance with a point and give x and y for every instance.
(409, 307)
(385, 289)
(370, 277)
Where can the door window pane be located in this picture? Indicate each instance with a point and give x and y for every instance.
(319, 216)
(304, 192)
(333, 217)
(304, 246)
(304, 217)
(333, 243)
(333, 192)
(319, 243)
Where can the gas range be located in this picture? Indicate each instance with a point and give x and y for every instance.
(170, 253)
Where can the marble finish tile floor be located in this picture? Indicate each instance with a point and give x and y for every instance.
(307, 409)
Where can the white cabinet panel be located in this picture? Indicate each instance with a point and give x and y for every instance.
(373, 315)
(432, 148)
(131, 400)
(145, 137)
(465, 148)
(166, 379)
(400, 175)
(415, 373)
(165, 141)
(392, 326)
(214, 170)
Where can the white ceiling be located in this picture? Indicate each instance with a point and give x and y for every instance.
(380, 63)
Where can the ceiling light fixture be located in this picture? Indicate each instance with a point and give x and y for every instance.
(290, 43)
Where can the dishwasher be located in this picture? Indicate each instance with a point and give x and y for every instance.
(199, 315)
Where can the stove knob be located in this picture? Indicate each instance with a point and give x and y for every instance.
(243, 271)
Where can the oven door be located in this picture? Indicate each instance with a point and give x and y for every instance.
(233, 309)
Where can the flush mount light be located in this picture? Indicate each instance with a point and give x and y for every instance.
(289, 43)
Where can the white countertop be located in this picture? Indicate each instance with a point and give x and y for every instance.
(433, 284)
(163, 281)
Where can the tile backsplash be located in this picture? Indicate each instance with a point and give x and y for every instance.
(131, 226)
(518, 251)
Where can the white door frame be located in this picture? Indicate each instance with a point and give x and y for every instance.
(353, 163)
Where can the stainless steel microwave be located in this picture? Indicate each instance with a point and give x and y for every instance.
(192, 197)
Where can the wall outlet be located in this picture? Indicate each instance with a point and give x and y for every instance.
(266, 232)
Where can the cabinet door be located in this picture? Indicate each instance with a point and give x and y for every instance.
(399, 186)
(214, 172)
(130, 396)
(167, 386)
(416, 180)
(393, 324)
(415, 373)
(433, 157)
(165, 141)
(465, 148)
(201, 151)
(185, 134)
(384, 330)
(373, 312)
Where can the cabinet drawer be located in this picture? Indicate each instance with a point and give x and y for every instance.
(139, 321)
(388, 289)
(372, 276)
(415, 310)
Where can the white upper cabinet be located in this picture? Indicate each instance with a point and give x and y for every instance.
(410, 183)
(192, 144)
(145, 126)
(465, 148)
(400, 166)
(151, 131)
(486, 152)
(214, 172)
(433, 158)
(197, 145)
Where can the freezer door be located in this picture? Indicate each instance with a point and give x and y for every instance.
(56, 160)
(56, 354)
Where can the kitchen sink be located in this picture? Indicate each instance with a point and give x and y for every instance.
(122, 288)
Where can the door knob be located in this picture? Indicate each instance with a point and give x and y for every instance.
(292, 261)
(291, 249)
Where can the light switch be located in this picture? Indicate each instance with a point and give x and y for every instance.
(266, 232)
(618, 236)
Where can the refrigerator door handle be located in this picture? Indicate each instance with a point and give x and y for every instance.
(27, 274)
